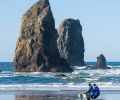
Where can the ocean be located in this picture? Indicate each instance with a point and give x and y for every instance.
(15, 80)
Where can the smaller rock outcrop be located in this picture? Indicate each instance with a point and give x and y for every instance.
(101, 63)
(71, 42)
(60, 75)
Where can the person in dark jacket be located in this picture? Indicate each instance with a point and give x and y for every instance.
(95, 91)
(89, 92)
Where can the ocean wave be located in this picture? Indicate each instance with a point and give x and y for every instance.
(98, 72)
(78, 77)
(55, 87)
(79, 68)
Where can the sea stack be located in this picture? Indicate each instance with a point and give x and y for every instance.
(100, 64)
(36, 48)
(70, 42)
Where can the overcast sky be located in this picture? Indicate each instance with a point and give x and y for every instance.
(100, 20)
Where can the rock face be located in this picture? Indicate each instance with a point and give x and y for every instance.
(70, 42)
(36, 48)
(101, 63)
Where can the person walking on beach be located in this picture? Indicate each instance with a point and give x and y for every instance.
(95, 92)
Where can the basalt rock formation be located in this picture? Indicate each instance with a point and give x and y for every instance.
(36, 48)
(101, 63)
(70, 42)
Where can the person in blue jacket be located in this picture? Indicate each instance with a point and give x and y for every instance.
(89, 92)
(95, 91)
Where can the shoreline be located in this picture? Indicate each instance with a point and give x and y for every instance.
(28, 87)
(50, 93)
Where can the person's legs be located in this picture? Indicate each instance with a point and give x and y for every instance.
(92, 96)
(88, 96)
(95, 97)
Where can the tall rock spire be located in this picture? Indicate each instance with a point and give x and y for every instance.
(36, 48)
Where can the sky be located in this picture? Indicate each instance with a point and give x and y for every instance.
(100, 20)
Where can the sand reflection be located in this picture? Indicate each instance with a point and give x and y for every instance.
(46, 97)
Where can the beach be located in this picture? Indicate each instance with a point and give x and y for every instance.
(54, 95)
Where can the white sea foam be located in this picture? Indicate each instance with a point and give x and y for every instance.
(55, 87)
(78, 79)
(112, 71)
(79, 68)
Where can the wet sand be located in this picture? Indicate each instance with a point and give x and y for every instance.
(54, 95)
